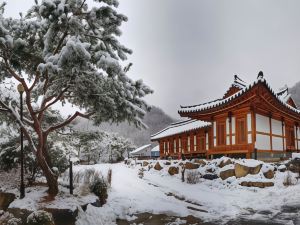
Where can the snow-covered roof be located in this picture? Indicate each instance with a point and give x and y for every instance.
(281, 96)
(138, 150)
(180, 127)
(155, 149)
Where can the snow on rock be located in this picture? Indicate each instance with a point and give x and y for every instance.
(96, 216)
(295, 155)
(221, 199)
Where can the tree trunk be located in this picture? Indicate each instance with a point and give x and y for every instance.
(50, 176)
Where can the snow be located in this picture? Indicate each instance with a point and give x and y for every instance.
(295, 155)
(260, 79)
(140, 149)
(180, 127)
(223, 200)
(36, 198)
(155, 149)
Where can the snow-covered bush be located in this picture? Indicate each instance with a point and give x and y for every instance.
(40, 217)
(289, 179)
(193, 177)
(99, 187)
(14, 221)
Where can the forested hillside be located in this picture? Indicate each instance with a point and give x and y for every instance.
(295, 92)
(156, 120)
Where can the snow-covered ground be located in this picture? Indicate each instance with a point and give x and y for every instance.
(219, 201)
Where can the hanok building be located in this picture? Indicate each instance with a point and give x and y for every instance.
(251, 120)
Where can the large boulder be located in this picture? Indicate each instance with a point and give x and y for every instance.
(191, 166)
(282, 168)
(210, 176)
(243, 170)
(294, 165)
(173, 170)
(157, 166)
(268, 171)
(145, 163)
(6, 199)
(167, 163)
(269, 174)
(225, 162)
(224, 174)
(259, 184)
(201, 162)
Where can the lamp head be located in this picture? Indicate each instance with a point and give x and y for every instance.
(20, 88)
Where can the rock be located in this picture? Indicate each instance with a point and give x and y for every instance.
(282, 168)
(201, 162)
(242, 170)
(257, 184)
(225, 162)
(63, 216)
(191, 166)
(167, 163)
(6, 199)
(210, 170)
(255, 170)
(227, 173)
(269, 174)
(145, 163)
(210, 176)
(157, 166)
(294, 166)
(181, 163)
(20, 213)
(173, 170)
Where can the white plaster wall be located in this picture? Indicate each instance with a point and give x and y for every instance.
(262, 142)
(295, 132)
(262, 123)
(233, 124)
(276, 127)
(249, 122)
(277, 143)
(215, 128)
(249, 138)
(227, 126)
(215, 133)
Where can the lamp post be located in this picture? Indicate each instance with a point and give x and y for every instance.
(22, 186)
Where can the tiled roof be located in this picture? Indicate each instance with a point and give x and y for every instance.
(282, 96)
(180, 127)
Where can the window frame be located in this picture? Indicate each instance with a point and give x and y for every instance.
(218, 135)
(238, 129)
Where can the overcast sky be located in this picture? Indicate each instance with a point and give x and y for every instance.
(188, 51)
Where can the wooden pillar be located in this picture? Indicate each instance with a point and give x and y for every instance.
(230, 128)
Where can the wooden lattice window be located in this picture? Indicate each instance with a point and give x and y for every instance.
(221, 133)
(290, 138)
(202, 143)
(241, 131)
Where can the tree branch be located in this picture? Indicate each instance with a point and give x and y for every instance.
(37, 76)
(68, 121)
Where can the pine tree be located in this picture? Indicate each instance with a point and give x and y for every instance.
(64, 51)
